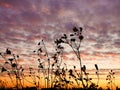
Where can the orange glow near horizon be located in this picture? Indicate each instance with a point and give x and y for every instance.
(90, 26)
(41, 82)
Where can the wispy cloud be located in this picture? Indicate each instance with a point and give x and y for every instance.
(23, 23)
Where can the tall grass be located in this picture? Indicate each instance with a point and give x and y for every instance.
(55, 73)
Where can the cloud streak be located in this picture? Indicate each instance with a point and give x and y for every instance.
(24, 23)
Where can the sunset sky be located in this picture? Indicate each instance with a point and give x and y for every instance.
(23, 23)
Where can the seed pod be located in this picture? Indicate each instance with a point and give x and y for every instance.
(3, 69)
(80, 29)
(96, 66)
(75, 29)
(81, 37)
(14, 65)
(39, 43)
(73, 40)
(8, 51)
(10, 59)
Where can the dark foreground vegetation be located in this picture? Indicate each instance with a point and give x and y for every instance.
(55, 73)
(34, 88)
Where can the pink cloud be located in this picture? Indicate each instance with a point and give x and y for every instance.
(24, 23)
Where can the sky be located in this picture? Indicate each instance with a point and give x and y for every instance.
(23, 23)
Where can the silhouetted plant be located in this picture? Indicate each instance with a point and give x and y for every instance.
(74, 41)
(59, 72)
(87, 80)
(54, 71)
(14, 69)
(111, 80)
(54, 67)
(42, 51)
(33, 76)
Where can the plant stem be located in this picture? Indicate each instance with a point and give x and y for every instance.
(48, 64)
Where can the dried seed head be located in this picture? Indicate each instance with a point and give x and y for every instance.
(75, 29)
(96, 66)
(81, 37)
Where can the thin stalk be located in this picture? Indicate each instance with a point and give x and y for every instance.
(48, 64)
(98, 77)
(16, 74)
(78, 56)
(80, 69)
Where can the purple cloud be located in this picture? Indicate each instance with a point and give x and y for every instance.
(23, 23)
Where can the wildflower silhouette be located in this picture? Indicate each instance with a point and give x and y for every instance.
(52, 70)
(14, 69)
(74, 41)
(111, 80)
